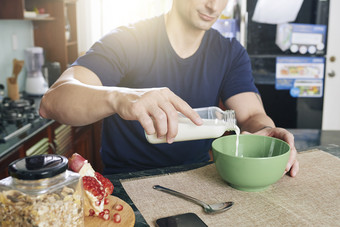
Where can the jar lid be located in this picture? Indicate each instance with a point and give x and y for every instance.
(38, 167)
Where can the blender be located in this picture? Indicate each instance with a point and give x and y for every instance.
(35, 81)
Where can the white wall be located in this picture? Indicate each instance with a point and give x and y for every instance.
(23, 30)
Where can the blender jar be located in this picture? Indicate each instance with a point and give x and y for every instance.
(41, 192)
(35, 80)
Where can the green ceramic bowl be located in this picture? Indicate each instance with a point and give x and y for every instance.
(261, 161)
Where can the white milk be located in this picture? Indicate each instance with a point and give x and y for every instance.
(187, 130)
(237, 131)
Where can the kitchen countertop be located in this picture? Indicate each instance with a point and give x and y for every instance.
(328, 141)
(36, 126)
(306, 138)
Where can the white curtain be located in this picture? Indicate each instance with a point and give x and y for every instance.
(97, 17)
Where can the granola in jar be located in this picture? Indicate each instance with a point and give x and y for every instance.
(28, 200)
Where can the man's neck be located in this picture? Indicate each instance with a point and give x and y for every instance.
(184, 39)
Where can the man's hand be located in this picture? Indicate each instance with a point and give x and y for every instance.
(156, 110)
(283, 134)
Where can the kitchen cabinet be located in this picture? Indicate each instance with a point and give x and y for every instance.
(331, 107)
(83, 143)
(55, 32)
(96, 138)
(83, 140)
(7, 159)
(59, 139)
(87, 142)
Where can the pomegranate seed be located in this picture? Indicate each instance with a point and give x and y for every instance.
(100, 197)
(106, 211)
(101, 214)
(118, 207)
(106, 217)
(97, 203)
(116, 218)
(106, 201)
(94, 192)
(91, 212)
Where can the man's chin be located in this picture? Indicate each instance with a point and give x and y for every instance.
(205, 28)
(204, 25)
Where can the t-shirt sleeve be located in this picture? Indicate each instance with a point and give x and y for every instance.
(111, 57)
(238, 78)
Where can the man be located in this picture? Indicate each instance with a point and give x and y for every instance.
(138, 77)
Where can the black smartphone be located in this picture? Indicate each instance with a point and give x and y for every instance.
(181, 220)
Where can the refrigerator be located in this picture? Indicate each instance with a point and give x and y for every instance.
(286, 109)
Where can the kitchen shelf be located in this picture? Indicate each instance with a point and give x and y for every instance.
(50, 31)
(40, 19)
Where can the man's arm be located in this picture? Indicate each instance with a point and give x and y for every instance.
(251, 117)
(78, 98)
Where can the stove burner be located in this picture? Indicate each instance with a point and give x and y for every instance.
(12, 116)
(16, 115)
(20, 103)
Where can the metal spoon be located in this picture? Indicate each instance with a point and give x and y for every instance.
(210, 209)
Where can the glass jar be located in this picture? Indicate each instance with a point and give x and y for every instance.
(215, 123)
(41, 192)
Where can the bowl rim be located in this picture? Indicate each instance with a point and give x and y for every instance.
(251, 158)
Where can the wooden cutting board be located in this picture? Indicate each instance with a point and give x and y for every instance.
(127, 215)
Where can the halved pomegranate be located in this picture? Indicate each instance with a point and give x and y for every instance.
(96, 186)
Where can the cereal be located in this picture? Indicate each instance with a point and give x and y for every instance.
(60, 208)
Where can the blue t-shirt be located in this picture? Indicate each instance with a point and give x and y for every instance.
(141, 56)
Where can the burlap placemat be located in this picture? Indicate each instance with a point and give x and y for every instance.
(310, 199)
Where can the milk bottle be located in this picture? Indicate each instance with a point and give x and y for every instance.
(215, 123)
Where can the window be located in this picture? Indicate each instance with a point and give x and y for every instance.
(98, 17)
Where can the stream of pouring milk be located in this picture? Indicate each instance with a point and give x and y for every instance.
(237, 131)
